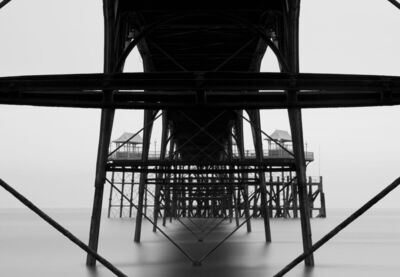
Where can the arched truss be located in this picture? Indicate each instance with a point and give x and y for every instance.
(174, 17)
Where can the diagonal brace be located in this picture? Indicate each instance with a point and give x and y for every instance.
(61, 229)
(340, 227)
(152, 222)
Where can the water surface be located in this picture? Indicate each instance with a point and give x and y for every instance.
(30, 247)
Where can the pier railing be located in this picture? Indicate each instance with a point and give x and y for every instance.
(249, 154)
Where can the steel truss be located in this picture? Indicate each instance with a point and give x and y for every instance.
(188, 196)
(233, 90)
(203, 88)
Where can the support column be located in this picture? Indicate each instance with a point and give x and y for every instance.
(111, 48)
(278, 198)
(298, 149)
(107, 117)
(240, 146)
(163, 150)
(167, 188)
(292, 57)
(111, 196)
(148, 123)
(121, 207)
(236, 199)
(322, 212)
(231, 188)
(294, 196)
(258, 147)
(131, 195)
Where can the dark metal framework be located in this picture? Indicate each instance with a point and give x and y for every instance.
(189, 199)
(201, 69)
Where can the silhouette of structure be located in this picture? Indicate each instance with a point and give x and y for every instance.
(188, 200)
(201, 77)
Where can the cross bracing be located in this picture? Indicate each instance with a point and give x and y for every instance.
(202, 72)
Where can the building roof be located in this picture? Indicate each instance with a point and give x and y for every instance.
(125, 136)
(281, 135)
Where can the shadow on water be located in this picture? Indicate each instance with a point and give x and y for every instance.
(222, 262)
(244, 254)
(367, 249)
(307, 272)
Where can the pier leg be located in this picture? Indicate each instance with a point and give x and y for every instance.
(167, 205)
(148, 123)
(296, 127)
(258, 147)
(107, 117)
(246, 205)
(156, 204)
(240, 145)
(322, 212)
(131, 195)
(236, 197)
(121, 207)
(298, 149)
(294, 197)
(231, 180)
(111, 195)
(163, 150)
(111, 47)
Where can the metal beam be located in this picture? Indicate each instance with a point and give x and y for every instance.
(4, 2)
(106, 123)
(240, 146)
(296, 126)
(395, 3)
(258, 147)
(163, 152)
(107, 117)
(236, 81)
(61, 229)
(237, 90)
(149, 115)
(340, 227)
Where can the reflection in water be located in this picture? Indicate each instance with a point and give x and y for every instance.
(30, 247)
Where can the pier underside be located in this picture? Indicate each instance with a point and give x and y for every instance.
(201, 77)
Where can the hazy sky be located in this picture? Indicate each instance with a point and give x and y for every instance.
(49, 154)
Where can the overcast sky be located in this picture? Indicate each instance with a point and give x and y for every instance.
(49, 154)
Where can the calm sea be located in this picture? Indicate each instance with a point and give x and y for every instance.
(30, 247)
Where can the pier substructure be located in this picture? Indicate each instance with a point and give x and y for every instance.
(149, 116)
(181, 184)
(158, 195)
(107, 117)
(259, 151)
(292, 57)
(202, 69)
(205, 179)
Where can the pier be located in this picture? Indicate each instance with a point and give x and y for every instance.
(201, 78)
